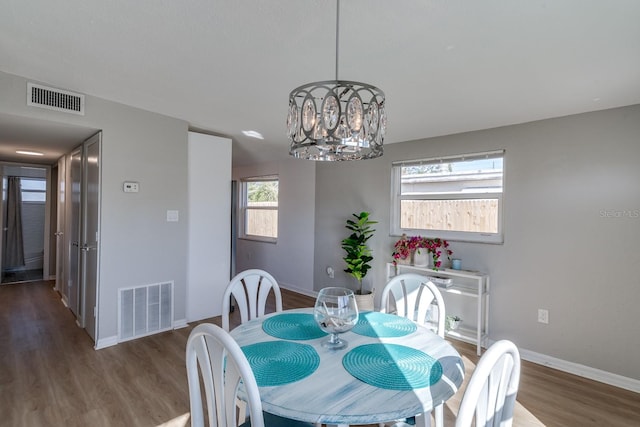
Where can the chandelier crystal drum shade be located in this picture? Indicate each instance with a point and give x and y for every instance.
(336, 120)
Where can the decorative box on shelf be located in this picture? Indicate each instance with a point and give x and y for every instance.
(441, 282)
(464, 290)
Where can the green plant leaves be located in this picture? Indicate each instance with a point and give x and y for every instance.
(358, 254)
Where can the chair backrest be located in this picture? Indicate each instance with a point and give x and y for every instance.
(414, 295)
(250, 290)
(491, 392)
(222, 365)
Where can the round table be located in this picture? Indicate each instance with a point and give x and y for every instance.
(323, 389)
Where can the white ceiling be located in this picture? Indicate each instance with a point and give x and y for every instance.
(226, 65)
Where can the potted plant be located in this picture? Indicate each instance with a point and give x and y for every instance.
(405, 250)
(358, 254)
(452, 322)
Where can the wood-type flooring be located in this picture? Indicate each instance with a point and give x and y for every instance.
(50, 375)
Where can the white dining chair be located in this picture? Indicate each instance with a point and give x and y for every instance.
(250, 289)
(214, 356)
(491, 393)
(414, 297)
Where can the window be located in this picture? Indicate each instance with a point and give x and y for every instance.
(33, 190)
(259, 208)
(454, 198)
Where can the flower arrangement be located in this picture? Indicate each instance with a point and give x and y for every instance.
(437, 247)
(404, 247)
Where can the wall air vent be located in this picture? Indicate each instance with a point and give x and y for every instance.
(55, 99)
(145, 310)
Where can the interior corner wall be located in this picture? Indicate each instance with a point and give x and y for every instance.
(139, 246)
(291, 259)
(571, 231)
(209, 224)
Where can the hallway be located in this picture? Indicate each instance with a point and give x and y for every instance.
(22, 276)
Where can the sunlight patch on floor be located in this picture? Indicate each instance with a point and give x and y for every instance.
(180, 421)
(521, 416)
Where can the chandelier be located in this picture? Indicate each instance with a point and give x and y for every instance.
(336, 120)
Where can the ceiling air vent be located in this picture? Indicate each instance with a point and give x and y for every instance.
(55, 99)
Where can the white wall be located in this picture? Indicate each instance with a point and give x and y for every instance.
(568, 245)
(138, 245)
(209, 220)
(291, 259)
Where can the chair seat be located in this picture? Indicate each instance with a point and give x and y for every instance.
(271, 420)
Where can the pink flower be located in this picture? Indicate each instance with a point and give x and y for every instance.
(435, 246)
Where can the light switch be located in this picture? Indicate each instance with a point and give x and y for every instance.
(172, 216)
(130, 187)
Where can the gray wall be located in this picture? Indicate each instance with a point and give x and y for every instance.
(568, 245)
(291, 259)
(138, 245)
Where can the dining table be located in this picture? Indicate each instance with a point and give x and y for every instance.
(391, 369)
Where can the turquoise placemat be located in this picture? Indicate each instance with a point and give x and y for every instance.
(382, 325)
(292, 326)
(392, 366)
(281, 362)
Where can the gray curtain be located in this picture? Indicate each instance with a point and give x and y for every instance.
(14, 249)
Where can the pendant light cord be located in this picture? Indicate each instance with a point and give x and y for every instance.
(337, 33)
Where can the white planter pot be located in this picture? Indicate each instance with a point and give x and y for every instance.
(365, 302)
(421, 259)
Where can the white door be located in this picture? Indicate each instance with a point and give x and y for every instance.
(73, 233)
(3, 229)
(61, 254)
(90, 231)
(83, 194)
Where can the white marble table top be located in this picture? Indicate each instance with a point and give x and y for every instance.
(332, 395)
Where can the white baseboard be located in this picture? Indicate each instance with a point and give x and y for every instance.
(582, 370)
(180, 323)
(111, 341)
(579, 370)
(106, 342)
(307, 292)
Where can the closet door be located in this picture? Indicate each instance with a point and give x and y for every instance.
(90, 231)
(3, 228)
(74, 210)
(61, 254)
(83, 214)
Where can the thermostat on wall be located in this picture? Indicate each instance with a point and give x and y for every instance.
(130, 187)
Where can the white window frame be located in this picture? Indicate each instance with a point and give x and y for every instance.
(243, 208)
(42, 199)
(463, 236)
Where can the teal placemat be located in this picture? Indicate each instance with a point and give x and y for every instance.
(392, 366)
(292, 326)
(382, 325)
(281, 362)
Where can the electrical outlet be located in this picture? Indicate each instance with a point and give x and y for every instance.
(543, 316)
(330, 272)
(131, 187)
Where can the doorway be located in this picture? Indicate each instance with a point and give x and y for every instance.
(24, 221)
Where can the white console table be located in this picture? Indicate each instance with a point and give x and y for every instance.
(471, 286)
